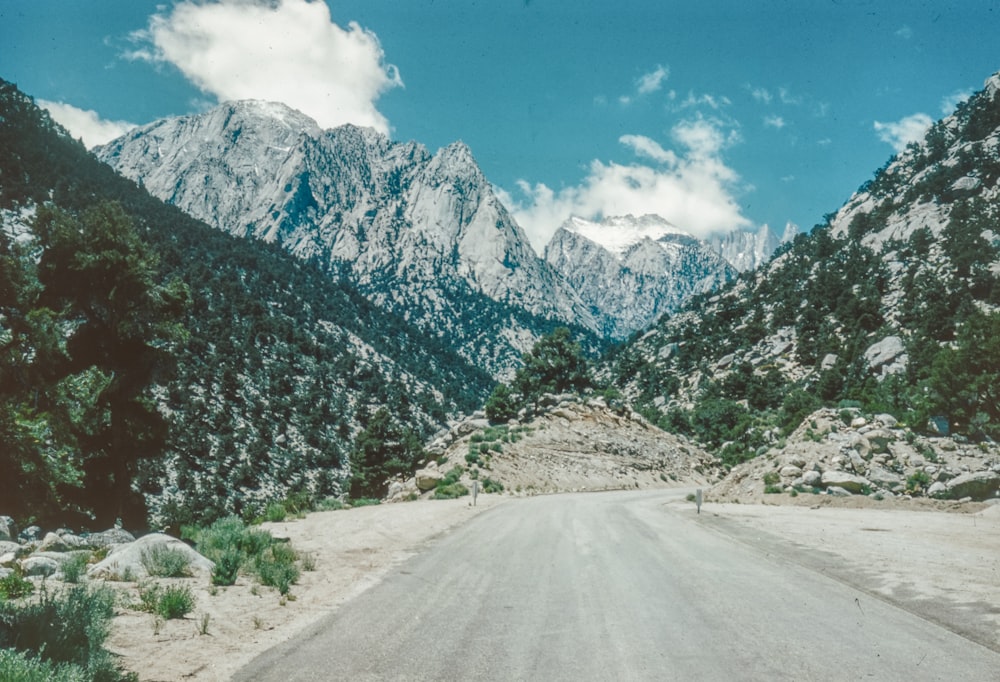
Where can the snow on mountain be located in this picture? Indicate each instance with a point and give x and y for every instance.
(422, 234)
(746, 250)
(630, 270)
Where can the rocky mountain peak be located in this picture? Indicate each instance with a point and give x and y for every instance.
(630, 270)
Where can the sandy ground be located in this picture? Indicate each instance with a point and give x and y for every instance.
(352, 550)
(943, 566)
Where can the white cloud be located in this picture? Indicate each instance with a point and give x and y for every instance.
(283, 50)
(774, 122)
(85, 124)
(648, 147)
(705, 100)
(761, 95)
(949, 103)
(904, 131)
(652, 81)
(904, 32)
(691, 187)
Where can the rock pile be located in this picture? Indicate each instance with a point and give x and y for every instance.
(573, 443)
(844, 453)
(114, 554)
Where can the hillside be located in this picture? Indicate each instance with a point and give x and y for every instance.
(420, 234)
(890, 305)
(278, 369)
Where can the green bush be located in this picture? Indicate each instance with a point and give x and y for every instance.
(172, 601)
(472, 457)
(15, 586)
(175, 601)
(227, 566)
(74, 567)
(276, 567)
(163, 561)
(61, 633)
(18, 666)
(772, 478)
(772, 489)
(491, 486)
(275, 512)
(918, 480)
(450, 491)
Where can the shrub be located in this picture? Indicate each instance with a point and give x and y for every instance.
(227, 567)
(472, 457)
(64, 631)
(450, 491)
(772, 489)
(276, 567)
(365, 502)
(163, 561)
(15, 586)
(172, 601)
(74, 567)
(918, 480)
(275, 512)
(772, 478)
(19, 666)
(491, 486)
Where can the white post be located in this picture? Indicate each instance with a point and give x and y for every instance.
(697, 499)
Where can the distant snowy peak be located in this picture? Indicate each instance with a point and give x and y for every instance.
(618, 234)
(746, 250)
(630, 270)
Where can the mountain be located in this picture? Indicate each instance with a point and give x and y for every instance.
(891, 305)
(746, 250)
(279, 369)
(630, 270)
(422, 235)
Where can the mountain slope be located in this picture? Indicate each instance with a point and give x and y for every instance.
(746, 250)
(892, 304)
(630, 271)
(422, 235)
(282, 368)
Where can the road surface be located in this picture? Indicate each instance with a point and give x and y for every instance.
(615, 586)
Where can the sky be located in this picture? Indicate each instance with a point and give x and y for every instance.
(715, 114)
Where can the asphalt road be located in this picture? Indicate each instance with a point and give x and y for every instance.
(615, 586)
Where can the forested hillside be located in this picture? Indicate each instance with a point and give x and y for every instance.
(257, 371)
(891, 304)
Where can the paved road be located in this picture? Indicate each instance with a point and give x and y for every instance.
(615, 586)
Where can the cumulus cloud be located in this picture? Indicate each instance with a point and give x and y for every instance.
(761, 95)
(691, 187)
(949, 103)
(774, 122)
(904, 131)
(283, 50)
(85, 124)
(652, 81)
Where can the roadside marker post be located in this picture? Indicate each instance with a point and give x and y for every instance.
(475, 492)
(697, 499)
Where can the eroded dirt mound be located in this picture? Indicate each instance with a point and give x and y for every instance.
(574, 445)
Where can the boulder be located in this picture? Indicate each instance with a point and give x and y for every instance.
(8, 547)
(879, 439)
(813, 479)
(842, 479)
(109, 538)
(937, 489)
(39, 566)
(126, 561)
(61, 543)
(8, 529)
(790, 471)
(884, 478)
(427, 479)
(837, 491)
(829, 362)
(30, 534)
(886, 357)
(979, 485)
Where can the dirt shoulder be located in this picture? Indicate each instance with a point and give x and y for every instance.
(939, 562)
(352, 550)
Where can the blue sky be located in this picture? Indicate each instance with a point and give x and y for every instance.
(715, 114)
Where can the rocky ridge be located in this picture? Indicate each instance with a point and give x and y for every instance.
(844, 453)
(573, 444)
(745, 250)
(421, 234)
(630, 270)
